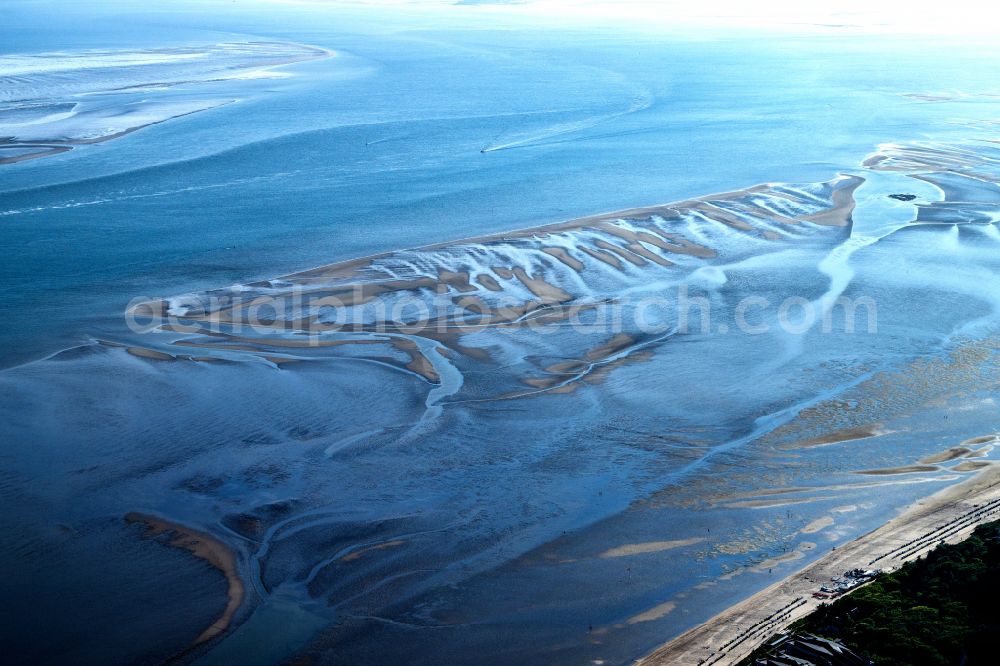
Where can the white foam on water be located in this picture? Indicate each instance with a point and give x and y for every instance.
(642, 101)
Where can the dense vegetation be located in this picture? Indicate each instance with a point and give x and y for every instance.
(943, 609)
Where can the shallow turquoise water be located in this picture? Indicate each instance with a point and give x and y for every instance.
(426, 129)
(291, 177)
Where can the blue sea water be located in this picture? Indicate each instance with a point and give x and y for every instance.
(389, 525)
(290, 177)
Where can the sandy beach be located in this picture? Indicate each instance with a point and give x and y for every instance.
(417, 333)
(949, 515)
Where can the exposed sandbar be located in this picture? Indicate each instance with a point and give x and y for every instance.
(817, 525)
(654, 613)
(836, 437)
(904, 469)
(650, 547)
(211, 550)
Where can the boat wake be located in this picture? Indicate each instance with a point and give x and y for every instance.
(640, 102)
(386, 444)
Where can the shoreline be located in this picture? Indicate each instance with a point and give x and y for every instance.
(58, 144)
(837, 215)
(205, 547)
(949, 515)
(843, 206)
